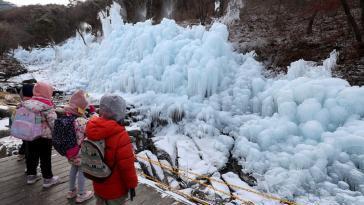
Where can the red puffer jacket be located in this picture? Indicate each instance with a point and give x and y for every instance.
(117, 141)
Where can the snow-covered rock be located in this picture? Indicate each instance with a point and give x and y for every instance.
(219, 185)
(243, 192)
(143, 159)
(190, 163)
(151, 164)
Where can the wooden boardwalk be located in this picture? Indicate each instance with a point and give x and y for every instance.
(15, 191)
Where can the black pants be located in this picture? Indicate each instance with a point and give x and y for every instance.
(23, 148)
(39, 149)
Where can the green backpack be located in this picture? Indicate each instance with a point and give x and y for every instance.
(93, 163)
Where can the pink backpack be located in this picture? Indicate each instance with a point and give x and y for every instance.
(27, 124)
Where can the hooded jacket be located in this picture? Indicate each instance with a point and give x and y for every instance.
(48, 115)
(119, 156)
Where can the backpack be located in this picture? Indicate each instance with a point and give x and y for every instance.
(93, 164)
(27, 124)
(64, 136)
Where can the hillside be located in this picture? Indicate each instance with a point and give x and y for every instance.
(279, 31)
(4, 5)
(282, 31)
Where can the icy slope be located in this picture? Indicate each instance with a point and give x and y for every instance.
(301, 135)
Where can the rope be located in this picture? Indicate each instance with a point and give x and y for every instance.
(167, 187)
(177, 171)
(199, 182)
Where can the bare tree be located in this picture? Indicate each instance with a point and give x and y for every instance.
(362, 13)
(310, 23)
(351, 21)
(221, 9)
(149, 8)
(202, 10)
(333, 5)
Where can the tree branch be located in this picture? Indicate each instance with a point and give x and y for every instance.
(351, 21)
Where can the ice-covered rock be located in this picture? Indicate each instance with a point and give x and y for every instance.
(3, 151)
(144, 162)
(244, 193)
(190, 163)
(151, 163)
(219, 185)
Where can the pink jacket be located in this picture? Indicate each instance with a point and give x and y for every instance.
(48, 115)
(80, 127)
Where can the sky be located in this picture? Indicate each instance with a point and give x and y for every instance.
(28, 2)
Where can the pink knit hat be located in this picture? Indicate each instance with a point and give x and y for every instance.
(77, 104)
(43, 90)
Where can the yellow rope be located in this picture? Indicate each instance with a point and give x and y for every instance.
(167, 187)
(173, 170)
(203, 184)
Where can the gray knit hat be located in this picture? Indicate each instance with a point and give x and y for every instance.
(113, 107)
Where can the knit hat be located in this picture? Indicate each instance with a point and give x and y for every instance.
(113, 107)
(43, 90)
(77, 104)
(27, 91)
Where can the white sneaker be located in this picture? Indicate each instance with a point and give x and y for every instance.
(50, 182)
(31, 179)
(71, 194)
(84, 197)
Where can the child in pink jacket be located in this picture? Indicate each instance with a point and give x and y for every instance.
(40, 149)
(76, 107)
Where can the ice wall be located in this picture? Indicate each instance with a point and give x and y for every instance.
(301, 134)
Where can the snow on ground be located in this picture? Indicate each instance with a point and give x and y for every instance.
(11, 143)
(300, 134)
(4, 123)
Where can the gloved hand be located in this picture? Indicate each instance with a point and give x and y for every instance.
(132, 194)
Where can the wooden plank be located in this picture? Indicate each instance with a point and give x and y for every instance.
(62, 172)
(60, 196)
(14, 177)
(24, 189)
(8, 165)
(16, 191)
(5, 159)
(61, 169)
(20, 169)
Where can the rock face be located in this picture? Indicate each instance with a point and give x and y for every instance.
(4, 133)
(2, 151)
(283, 31)
(180, 10)
(9, 67)
(8, 99)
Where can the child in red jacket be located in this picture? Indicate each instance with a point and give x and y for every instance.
(118, 152)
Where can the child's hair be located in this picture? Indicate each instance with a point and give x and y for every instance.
(26, 91)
